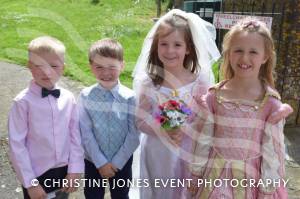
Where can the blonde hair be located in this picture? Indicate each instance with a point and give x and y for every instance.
(47, 44)
(155, 68)
(250, 24)
(107, 48)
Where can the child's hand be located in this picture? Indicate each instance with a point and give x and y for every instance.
(36, 192)
(71, 179)
(284, 111)
(175, 136)
(114, 168)
(108, 170)
(192, 189)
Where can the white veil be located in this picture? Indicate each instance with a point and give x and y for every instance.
(204, 35)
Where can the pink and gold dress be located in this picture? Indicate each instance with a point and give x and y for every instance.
(237, 146)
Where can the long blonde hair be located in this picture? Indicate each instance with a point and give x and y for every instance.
(250, 24)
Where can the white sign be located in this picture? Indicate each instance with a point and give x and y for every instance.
(226, 21)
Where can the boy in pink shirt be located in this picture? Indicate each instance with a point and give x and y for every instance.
(44, 137)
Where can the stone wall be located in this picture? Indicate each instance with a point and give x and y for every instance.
(288, 67)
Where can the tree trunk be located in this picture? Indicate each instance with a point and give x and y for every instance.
(175, 4)
(158, 11)
(170, 5)
(178, 4)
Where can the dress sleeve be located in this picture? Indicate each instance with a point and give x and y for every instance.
(202, 141)
(199, 89)
(272, 167)
(145, 121)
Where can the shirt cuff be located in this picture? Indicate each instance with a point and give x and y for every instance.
(76, 167)
(119, 162)
(29, 182)
(100, 163)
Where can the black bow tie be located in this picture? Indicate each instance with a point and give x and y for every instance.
(54, 92)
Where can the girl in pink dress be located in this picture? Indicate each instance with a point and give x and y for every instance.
(239, 154)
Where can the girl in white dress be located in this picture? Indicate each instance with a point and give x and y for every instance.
(176, 49)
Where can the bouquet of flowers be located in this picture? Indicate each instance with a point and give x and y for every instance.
(172, 114)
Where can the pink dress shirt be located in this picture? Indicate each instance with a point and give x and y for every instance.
(44, 134)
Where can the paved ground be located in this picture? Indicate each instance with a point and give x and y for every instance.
(14, 78)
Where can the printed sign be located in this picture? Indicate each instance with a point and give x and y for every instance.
(225, 21)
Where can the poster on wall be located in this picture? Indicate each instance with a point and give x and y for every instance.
(226, 21)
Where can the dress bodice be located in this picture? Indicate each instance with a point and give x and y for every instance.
(240, 125)
(244, 145)
(183, 93)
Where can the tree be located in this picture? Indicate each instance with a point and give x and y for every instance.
(158, 10)
(175, 4)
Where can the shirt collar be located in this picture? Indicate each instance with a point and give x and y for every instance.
(37, 89)
(114, 91)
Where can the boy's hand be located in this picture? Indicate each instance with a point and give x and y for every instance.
(284, 111)
(107, 171)
(71, 179)
(114, 168)
(36, 192)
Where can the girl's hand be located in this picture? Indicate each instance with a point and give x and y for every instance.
(176, 136)
(193, 190)
(284, 111)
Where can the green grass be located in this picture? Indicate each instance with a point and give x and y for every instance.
(77, 23)
(216, 70)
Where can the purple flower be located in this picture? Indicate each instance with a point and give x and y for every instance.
(186, 110)
(158, 113)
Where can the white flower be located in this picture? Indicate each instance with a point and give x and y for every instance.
(176, 118)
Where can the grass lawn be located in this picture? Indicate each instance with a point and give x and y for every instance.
(77, 23)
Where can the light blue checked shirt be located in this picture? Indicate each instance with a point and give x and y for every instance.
(107, 124)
